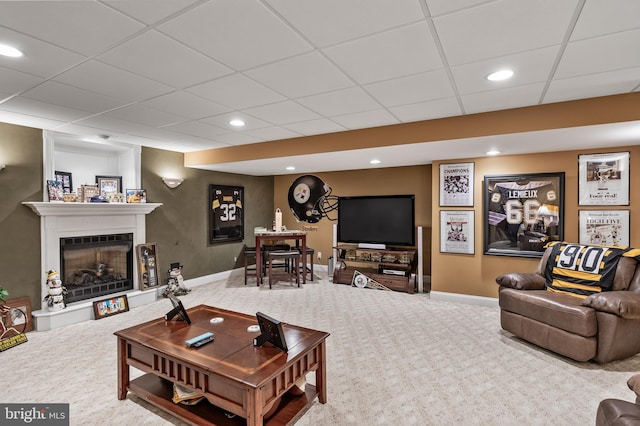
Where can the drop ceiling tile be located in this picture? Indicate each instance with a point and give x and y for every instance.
(529, 67)
(42, 109)
(442, 7)
(150, 11)
(40, 59)
(513, 97)
(430, 110)
(283, 113)
(28, 120)
(302, 75)
(236, 139)
(314, 127)
(197, 128)
(340, 102)
(141, 114)
(415, 88)
(13, 82)
(329, 22)
(53, 92)
(84, 27)
(161, 58)
(110, 124)
(399, 52)
(366, 119)
(186, 105)
(502, 28)
(222, 121)
(272, 133)
(595, 55)
(89, 132)
(236, 92)
(240, 34)
(110, 81)
(593, 85)
(603, 17)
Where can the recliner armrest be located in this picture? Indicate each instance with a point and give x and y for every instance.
(634, 385)
(625, 304)
(522, 280)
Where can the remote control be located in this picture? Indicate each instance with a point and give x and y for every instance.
(200, 340)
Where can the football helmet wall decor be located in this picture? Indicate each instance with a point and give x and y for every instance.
(310, 199)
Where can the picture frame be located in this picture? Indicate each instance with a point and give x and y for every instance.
(603, 179)
(136, 196)
(604, 227)
(457, 231)
(110, 306)
(226, 213)
(147, 256)
(522, 213)
(109, 184)
(456, 184)
(55, 191)
(18, 314)
(66, 179)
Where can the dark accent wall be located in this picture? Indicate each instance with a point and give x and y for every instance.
(21, 180)
(180, 226)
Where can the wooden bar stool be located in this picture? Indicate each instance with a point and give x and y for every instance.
(287, 257)
(250, 269)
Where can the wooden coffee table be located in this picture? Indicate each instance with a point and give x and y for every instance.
(234, 375)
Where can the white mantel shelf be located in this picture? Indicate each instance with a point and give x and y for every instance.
(90, 209)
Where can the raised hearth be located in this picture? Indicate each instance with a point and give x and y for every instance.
(66, 220)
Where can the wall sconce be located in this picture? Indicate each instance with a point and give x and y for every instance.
(172, 182)
(2, 166)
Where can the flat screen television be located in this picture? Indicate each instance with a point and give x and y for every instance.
(377, 221)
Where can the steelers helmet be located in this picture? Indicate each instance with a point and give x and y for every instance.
(310, 199)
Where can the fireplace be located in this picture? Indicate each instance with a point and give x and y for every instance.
(97, 265)
(95, 227)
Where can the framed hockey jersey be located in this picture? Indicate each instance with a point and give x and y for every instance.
(523, 213)
(226, 213)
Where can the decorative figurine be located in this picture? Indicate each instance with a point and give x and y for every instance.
(175, 282)
(55, 298)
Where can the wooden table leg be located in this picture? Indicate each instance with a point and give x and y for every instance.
(321, 373)
(254, 408)
(123, 369)
(258, 262)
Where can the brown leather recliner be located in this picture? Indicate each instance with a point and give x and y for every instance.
(619, 413)
(603, 327)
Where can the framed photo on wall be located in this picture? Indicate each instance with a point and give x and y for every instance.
(457, 231)
(147, 255)
(604, 227)
(603, 179)
(226, 213)
(456, 184)
(523, 213)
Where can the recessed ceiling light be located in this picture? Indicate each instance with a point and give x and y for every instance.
(500, 75)
(290, 168)
(237, 122)
(12, 52)
(493, 152)
(374, 161)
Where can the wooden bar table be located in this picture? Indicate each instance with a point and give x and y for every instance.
(300, 238)
(233, 375)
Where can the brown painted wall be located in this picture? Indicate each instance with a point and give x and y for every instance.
(180, 226)
(21, 180)
(475, 274)
(378, 181)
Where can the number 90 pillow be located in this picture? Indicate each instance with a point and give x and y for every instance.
(582, 270)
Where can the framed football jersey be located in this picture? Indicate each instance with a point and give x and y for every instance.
(226, 213)
(523, 213)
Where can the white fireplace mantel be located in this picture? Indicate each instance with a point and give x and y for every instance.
(63, 220)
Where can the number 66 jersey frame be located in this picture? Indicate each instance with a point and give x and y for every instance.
(226, 213)
(523, 213)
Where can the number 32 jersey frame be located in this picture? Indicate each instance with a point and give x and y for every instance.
(226, 213)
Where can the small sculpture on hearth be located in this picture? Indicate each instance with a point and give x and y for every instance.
(55, 290)
(175, 283)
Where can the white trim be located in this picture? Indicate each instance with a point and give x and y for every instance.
(490, 302)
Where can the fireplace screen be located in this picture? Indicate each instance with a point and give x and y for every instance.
(97, 265)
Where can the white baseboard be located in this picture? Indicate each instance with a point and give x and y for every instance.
(206, 279)
(490, 302)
